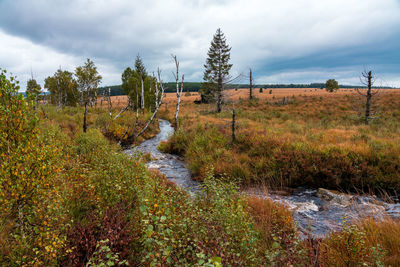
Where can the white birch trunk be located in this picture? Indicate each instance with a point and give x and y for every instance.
(142, 104)
(158, 104)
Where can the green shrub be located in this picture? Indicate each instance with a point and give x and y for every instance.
(91, 142)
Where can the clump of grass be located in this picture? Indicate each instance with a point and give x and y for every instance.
(386, 234)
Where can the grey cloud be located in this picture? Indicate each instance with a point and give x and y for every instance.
(261, 33)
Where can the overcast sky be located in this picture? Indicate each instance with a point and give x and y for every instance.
(283, 41)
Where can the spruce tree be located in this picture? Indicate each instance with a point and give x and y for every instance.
(140, 68)
(216, 72)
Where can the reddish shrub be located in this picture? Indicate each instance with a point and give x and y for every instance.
(113, 226)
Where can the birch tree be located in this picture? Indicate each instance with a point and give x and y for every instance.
(179, 90)
(138, 85)
(133, 131)
(88, 79)
(157, 103)
(63, 88)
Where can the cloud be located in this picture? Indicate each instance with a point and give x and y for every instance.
(20, 56)
(25, 58)
(267, 35)
(344, 75)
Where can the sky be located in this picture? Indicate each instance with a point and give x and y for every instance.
(283, 41)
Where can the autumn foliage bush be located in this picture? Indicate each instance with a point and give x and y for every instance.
(84, 237)
(28, 203)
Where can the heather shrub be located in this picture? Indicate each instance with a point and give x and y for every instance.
(85, 239)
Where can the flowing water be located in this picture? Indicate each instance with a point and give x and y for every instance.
(172, 166)
(317, 212)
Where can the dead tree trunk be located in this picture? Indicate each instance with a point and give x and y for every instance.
(251, 86)
(178, 90)
(84, 118)
(142, 97)
(368, 96)
(158, 104)
(368, 80)
(233, 126)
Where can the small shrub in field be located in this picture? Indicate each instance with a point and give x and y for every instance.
(386, 234)
(349, 248)
(91, 142)
(279, 240)
(104, 256)
(176, 144)
(84, 238)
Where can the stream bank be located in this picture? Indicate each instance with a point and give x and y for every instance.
(317, 212)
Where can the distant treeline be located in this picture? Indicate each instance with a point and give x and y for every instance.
(196, 86)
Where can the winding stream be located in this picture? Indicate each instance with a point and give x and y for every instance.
(315, 211)
(172, 166)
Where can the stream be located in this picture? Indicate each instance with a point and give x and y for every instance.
(315, 211)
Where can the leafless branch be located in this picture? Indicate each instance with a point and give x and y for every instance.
(158, 104)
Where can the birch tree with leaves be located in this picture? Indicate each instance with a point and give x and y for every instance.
(88, 79)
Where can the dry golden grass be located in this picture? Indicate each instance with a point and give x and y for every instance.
(386, 233)
(232, 95)
(308, 130)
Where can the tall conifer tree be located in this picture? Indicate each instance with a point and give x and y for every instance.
(217, 68)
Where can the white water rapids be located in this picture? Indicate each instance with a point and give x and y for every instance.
(317, 212)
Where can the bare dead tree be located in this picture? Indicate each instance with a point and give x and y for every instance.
(109, 102)
(178, 90)
(367, 79)
(106, 97)
(142, 97)
(118, 114)
(228, 82)
(110, 109)
(159, 95)
(251, 85)
(233, 126)
(157, 104)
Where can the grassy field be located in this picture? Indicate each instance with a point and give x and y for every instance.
(318, 139)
